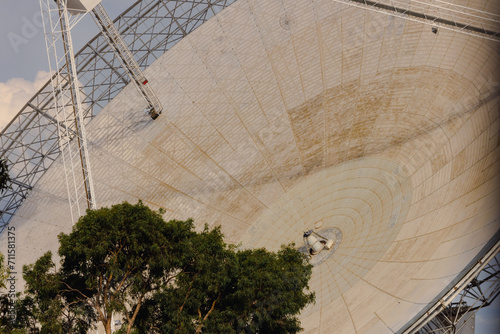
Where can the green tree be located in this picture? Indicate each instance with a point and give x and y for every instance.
(4, 300)
(117, 257)
(5, 322)
(4, 273)
(162, 277)
(7, 325)
(50, 303)
(222, 290)
(4, 176)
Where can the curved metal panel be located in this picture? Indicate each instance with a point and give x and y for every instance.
(150, 28)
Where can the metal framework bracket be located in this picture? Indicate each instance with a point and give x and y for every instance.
(72, 139)
(127, 59)
(475, 290)
(30, 142)
(438, 14)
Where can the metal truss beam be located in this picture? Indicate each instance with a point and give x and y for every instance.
(127, 59)
(57, 25)
(460, 314)
(475, 290)
(437, 13)
(149, 28)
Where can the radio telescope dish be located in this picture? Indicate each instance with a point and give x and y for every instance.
(287, 116)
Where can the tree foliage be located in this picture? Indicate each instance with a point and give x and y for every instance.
(4, 300)
(162, 277)
(7, 325)
(222, 290)
(4, 176)
(4, 273)
(121, 255)
(49, 300)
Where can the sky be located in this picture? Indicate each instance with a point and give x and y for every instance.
(24, 69)
(23, 57)
(488, 319)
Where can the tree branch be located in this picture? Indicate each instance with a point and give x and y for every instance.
(198, 330)
(136, 311)
(188, 292)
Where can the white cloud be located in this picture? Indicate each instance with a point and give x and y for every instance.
(15, 93)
